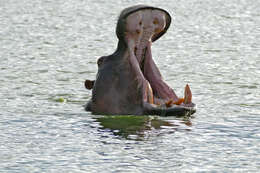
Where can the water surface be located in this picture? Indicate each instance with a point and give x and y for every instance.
(48, 49)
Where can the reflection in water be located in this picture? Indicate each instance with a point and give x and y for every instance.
(138, 127)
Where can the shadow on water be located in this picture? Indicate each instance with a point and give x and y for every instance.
(140, 127)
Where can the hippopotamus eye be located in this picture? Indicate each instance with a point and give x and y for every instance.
(155, 21)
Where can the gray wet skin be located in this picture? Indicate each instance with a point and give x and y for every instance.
(128, 81)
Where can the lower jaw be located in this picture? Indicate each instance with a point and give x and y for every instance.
(140, 54)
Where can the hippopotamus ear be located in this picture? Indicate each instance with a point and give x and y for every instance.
(89, 84)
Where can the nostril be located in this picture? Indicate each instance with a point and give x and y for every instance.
(157, 30)
(155, 21)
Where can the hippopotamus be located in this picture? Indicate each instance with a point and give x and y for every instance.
(128, 82)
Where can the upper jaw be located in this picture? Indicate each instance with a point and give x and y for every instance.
(141, 27)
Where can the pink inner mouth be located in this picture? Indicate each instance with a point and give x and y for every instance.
(141, 26)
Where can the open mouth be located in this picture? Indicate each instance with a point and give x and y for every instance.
(141, 27)
(128, 81)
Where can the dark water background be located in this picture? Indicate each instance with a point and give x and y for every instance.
(48, 48)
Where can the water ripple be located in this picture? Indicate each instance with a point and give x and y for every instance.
(48, 49)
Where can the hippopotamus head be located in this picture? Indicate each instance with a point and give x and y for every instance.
(128, 81)
(141, 18)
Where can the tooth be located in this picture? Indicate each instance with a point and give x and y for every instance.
(149, 93)
(187, 95)
(179, 101)
(169, 103)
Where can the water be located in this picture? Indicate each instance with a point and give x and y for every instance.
(48, 49)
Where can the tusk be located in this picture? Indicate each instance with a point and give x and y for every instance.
(187, 95)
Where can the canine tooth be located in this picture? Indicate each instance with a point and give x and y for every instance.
(187, 95)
